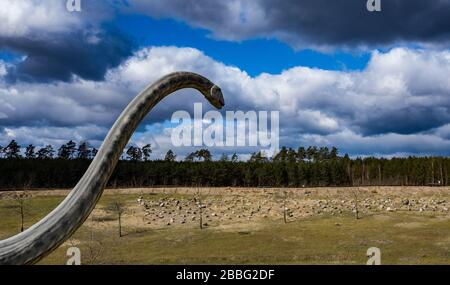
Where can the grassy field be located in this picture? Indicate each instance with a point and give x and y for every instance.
(404, 237)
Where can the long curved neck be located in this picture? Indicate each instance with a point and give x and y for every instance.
(46, 235)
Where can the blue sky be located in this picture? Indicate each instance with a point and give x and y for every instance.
(368, 83)
(255, 56)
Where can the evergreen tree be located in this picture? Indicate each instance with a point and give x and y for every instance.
(301, 154)
(224, 157)
(281, 156)
(170, 156)
(12, 150)
(334, 153)
(291, 155)
(29, 152)
(190, 157)
(71, 149)
(204, 154)
(134, 153)
(93, 153)
(146, 151)
(46, 152)
(83, 151)
(258, 157)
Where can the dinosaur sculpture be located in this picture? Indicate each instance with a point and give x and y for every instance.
(46, 235)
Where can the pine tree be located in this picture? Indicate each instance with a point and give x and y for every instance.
(146, 151)
(29, 152)
(71, 149)
(12, 150)
(83, 151)
(170, 156)
(204, 154)
(224, 157)
(46, 152)
(93, 153)
(134, 153)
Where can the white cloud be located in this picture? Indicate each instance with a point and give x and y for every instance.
(397, 104)
(382, 145)
(56, 136)
(3, 70)
(22, 18)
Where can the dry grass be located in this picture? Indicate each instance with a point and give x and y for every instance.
(319, 237)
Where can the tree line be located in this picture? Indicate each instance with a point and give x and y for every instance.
(302, 167)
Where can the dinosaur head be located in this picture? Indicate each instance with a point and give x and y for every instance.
(215, 97)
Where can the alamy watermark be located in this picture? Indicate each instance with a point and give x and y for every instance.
(237, 129)
(73, 5)
(374, 254)
(74, 254)
(373, 5)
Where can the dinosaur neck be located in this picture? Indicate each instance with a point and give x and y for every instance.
(46, 235)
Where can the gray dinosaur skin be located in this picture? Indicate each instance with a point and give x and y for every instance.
(43, 237)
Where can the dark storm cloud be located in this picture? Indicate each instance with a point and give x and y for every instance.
(348, 22)
(313, 22)
(405, 120)
(59, 57)
(56, 44)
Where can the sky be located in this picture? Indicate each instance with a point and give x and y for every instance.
(369, 83)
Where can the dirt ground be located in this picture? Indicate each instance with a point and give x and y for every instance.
(389, 217)
(159, 207)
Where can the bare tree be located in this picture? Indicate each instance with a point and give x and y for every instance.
(119, 209)
(355, 201)
(20, 199)
(201, 215)
(200, 206)
(94, 249)
(284, 207)
(94, 246)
